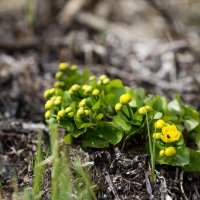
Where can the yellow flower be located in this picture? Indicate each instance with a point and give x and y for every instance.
(118, 106)
(125, 99)
(156, 136)
(170, 134)
(159, 124)
(142, 110)
(170, 151)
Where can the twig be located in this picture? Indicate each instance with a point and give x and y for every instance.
(70, 10)
(21, 127)
(181, 185)
(163, 187)
(100, 24)
(148, 186)
(112, 187)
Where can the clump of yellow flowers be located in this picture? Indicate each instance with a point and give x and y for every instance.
(168, 134)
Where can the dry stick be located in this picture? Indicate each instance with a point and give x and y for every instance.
(197, 192)
(148, 185)
(112, 187)
(123, 31)
(181, 185)
(70, 10)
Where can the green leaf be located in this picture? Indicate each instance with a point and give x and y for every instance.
(106, 131)
(113, 96)
(174, 107)
(119, 121)
(136, 119)
(113, 84)
(77, 133)
(160, 103)
(157, 115)
(194, 164)
(97, 105)
(67, 139)
(87, 125)
(95, 142)
(195, 136)
(191, 124)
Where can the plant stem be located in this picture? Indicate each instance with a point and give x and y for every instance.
(130, 111)
(151, 151)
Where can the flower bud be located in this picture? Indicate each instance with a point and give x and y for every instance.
(74, 67)
(102, 77)
(61, 113)
(92, 78)
(47, 114)
(99, 116)
(125, 99)
(68, 109)
(49, 92)
(118, 106)
(59, 84)
(87, 112)
(46, 94)
(58, 100)
(80, 112)
(63, 66)
(159, 124)
(59, 75)
(95, 92)
(156, 136)
(170, 151)
(149, 108)
(105, 81)
(82, 103)
(143, 110)
(162, 153)
(49, 104)
(87, 88)
(70, 114)
(75, 87)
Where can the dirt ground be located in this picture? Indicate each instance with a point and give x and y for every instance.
(145, 43)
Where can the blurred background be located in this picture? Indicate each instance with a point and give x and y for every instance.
(153, 44)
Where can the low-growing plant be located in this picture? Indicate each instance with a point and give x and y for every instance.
(100, 113)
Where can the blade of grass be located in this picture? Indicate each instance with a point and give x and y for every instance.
(38, 169)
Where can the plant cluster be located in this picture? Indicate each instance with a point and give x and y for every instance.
(101, 113)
